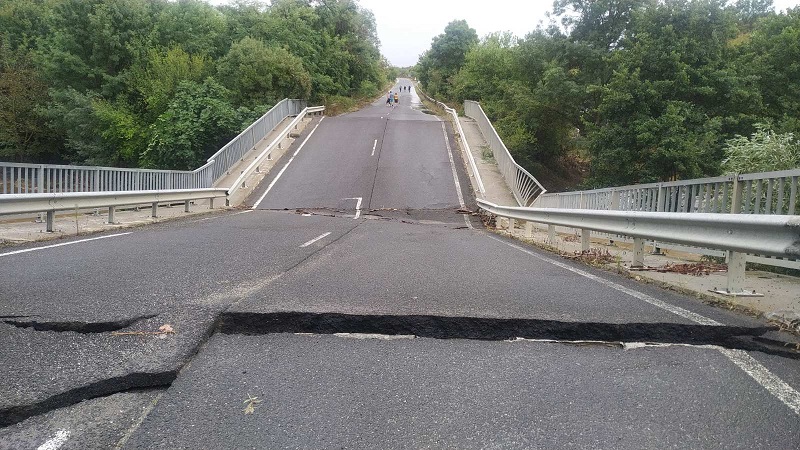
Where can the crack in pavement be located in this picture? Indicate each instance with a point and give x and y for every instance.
(78, 326)
(109, 386)
(494, 329)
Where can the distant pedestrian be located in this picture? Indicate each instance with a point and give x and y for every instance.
(396, 97)
(389, 99)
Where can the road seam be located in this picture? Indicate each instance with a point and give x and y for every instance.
(749, 365)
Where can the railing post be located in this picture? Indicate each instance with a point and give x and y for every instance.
(586, 237)
(737, 264)
(40, 179)
(97, 182)
(511, 226)
(736, 195)
(186, 206)
(211, 203)
(551, 234)
(111, 215)
(50, 220)
(638, 253)
(614, 206)
(529, 230)
(155, 210)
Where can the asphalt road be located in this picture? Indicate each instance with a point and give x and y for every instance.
(364, 310)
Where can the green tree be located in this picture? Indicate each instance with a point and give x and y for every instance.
(259, 74)
(198, 121)
(446, 57)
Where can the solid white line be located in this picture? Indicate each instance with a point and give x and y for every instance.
(685, 313)
(769, 381)
(315, 239)
(374, 145)
(56, 442)
(269, 188)
(224, 216)
(17, 252)
(764, 377)
(453, 166)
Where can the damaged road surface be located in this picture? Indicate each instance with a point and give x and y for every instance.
(356, 304)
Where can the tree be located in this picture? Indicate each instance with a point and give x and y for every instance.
(258, 74)
(198, 121)
(763, 151)
(446, 56)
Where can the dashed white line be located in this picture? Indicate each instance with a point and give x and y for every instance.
(769, 381)
(56, 442)
(17, 252)
(269, 188)
(321, 236)
(374, 146)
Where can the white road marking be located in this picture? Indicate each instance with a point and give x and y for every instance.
(769, 381)
(764, 377)
(269, 188)
(455, 176)
(17, 252)
(453, 166)
(321, 236)
(374, 145)
(224, 216)
(56, 442)
(358, 205)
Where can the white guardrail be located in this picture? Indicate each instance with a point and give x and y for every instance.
(50, 203)
(737, 234)
(52, 178)
(525, 187)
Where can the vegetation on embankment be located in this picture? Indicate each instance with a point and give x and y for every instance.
(634, 91)
(157, 83)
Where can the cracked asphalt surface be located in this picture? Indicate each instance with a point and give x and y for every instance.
(275, 303)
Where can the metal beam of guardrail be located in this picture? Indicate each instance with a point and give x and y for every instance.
(767, 235)
(50, 203)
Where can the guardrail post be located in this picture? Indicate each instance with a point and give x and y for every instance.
(736, 195)
(211, 203)
(511, 226)
(155, 210)
(551, 234)
(638, 252)
(529, 230)
(737, 263)
(50, 220)
(186, 206)
(586, 237)
(111, 215)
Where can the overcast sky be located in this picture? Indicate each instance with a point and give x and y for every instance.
(406, 27)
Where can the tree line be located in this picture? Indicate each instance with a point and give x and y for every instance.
(164, 84)
(635, 90)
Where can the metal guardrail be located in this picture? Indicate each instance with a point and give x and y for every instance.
(265, 154)
(737, 234)
(525, 187)
(50, 203)
(48, 178)
(752, 193)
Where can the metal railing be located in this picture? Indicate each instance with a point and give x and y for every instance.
(52, 202)
(48, 178)
(737, 234)
(752, 193)
(525, 187)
